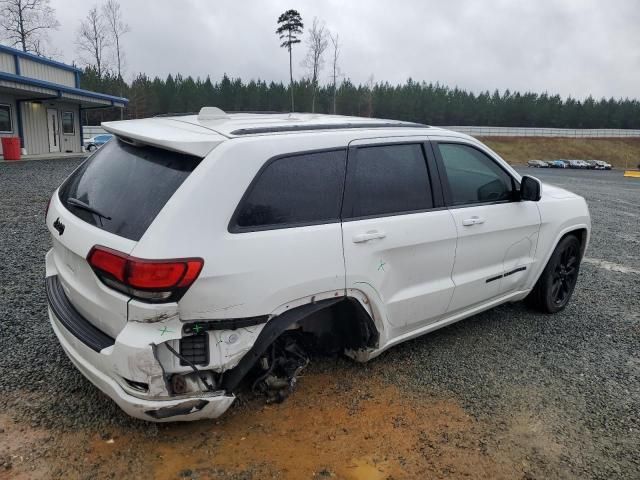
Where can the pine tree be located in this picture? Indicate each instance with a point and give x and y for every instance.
(290, 27)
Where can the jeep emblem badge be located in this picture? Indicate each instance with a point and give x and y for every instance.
(59, 226)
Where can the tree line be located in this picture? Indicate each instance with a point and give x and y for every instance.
(414, 101)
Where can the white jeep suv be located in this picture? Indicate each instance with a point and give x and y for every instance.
(191, 253)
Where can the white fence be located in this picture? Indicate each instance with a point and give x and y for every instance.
(89, 132)
(544, 132)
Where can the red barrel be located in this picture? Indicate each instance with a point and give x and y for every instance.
(11, 148)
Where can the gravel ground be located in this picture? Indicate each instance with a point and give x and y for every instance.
(576, 373)
(33, 363)
(563, 389)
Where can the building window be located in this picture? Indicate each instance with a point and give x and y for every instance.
(5, 119)
(68, 126)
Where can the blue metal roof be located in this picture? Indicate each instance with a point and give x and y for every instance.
(61, 88)
(36, 58)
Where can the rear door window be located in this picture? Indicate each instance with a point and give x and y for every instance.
(296, 190)
(128, 184)
(387, 180)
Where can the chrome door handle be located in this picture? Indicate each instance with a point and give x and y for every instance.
(467, 222)
(365, 237)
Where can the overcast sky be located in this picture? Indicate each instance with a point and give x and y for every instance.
(571, 47)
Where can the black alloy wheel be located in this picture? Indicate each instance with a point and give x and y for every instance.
(555, 286)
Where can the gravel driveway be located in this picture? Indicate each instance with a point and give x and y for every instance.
(509, 393)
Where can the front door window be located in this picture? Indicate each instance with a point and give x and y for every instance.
(473, 176)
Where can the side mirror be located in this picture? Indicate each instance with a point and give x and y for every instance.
(530, 189)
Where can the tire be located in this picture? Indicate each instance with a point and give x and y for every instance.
(91, 148)
(555, 286)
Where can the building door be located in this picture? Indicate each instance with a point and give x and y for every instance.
(54, 130)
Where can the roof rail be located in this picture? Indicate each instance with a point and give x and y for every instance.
(325, 126)
(205, 113)
(180, 114)
(261, 112)
(184, 114)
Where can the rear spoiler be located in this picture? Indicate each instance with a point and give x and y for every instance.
(166, 133)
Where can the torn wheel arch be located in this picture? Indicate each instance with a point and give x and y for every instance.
(276, 326)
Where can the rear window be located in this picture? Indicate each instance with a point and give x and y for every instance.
(126, 183)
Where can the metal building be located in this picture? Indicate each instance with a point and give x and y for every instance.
(41, 102)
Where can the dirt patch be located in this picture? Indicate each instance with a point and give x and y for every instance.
(374, 432)
(356, 428)
(20, 450)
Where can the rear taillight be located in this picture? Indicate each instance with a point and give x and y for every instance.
(150, 280)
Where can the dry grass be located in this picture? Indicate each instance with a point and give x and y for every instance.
(620, 152)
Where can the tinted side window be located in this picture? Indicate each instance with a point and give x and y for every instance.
(296, 190)
(473, 176)
(387, 179)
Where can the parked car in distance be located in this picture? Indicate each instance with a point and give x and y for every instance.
(537, 164)
(96, 142)
(557, 164)
(599, 164)
(605, 165)
(190, 256)
(578, 164)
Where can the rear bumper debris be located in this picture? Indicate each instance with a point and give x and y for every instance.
(127, 371)
(92, 365)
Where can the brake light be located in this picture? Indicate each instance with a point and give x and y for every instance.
(151, 280)
(108, 261)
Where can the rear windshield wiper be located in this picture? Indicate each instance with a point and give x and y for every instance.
(80, 204)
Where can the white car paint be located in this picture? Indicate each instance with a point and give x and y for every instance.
(412, 273)
(406, 265)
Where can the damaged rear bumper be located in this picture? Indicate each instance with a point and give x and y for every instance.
(87, 361)
(104, 367)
